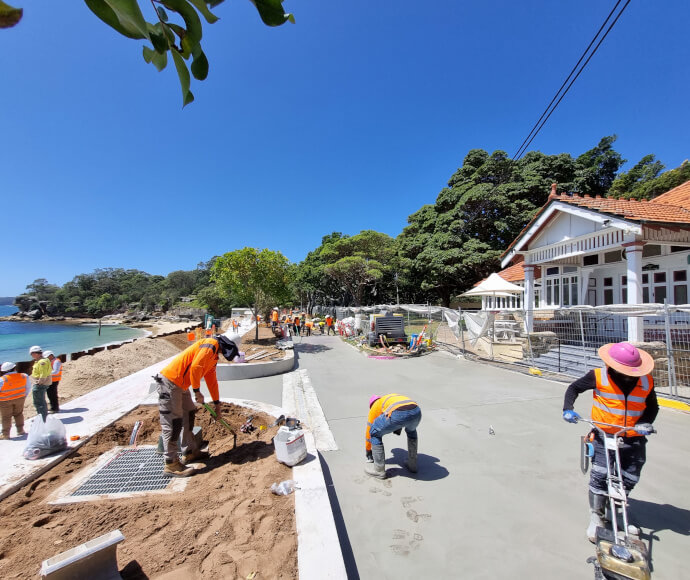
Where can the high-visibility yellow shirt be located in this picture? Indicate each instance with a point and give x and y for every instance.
(42, 369)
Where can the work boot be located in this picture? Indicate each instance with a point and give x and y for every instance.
(378, 468)
(597, 508)
(412, 454)
(177, 469)
(21, 432)
(194, 455)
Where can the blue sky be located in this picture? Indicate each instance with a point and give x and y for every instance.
(350, 119)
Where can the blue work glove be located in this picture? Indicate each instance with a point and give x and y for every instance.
(644, 428)
(571, 416)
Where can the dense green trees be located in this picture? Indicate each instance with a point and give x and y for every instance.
(109, 290)
(444, 249)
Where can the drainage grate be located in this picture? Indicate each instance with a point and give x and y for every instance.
(131, 470)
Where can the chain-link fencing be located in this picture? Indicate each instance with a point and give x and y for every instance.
(562, 342)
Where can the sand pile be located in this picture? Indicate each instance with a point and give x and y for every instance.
(91, 372)
(225, 524)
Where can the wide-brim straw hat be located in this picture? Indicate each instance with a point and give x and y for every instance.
(626, 359)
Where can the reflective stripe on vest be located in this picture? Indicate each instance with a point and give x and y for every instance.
(13, 386)
(57, 370)
(610, 405)
(387, 409)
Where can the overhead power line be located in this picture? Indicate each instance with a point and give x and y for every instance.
(572, 77)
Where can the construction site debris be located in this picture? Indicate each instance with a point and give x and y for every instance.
(284, 487)
(219, 527)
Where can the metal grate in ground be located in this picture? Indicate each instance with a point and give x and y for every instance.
(139, 469)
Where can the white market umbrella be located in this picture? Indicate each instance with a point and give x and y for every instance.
(494, 285)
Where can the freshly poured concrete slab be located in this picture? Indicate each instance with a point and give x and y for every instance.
(509, 504)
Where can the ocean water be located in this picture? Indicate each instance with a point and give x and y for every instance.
(6, 310)
(17, 337)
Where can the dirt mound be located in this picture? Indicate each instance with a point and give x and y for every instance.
(225, 524)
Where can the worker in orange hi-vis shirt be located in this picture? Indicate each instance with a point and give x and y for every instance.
(175, 404)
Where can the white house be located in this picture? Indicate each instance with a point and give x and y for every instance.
(599, 251)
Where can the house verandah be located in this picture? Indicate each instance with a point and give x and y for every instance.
(617, 269)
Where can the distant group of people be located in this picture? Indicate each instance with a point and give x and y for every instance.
(43, 382)
(301, 322)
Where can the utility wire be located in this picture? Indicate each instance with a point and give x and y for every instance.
(549, 109)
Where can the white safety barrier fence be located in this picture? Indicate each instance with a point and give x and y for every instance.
(564, 341)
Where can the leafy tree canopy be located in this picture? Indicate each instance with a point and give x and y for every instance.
(176, 29)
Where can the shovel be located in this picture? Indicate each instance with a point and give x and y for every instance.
(222, 422)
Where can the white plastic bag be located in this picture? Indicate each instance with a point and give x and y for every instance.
(45, 437)
(284, 487)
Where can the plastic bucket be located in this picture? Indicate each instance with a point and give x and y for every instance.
(290, 446)
(413, 339)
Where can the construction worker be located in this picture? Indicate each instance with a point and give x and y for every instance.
(274, 318)
(308, 325)
(14, 387)
(389, 414)
(55, 378)
(623, 396)
(296, 323)
(41, 379)
(329, 325)
(175, 405)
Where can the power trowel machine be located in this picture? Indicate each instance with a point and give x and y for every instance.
(620, 554)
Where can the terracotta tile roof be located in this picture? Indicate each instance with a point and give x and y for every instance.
(516, 272)
(647, 211)
(670, 207)
(677, 196)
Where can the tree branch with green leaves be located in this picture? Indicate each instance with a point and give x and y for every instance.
(178, 30)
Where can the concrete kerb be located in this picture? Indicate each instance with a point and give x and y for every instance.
(318, 547)
(237, 371)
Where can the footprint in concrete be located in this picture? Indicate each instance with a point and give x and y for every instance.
(407, 501)
(379, 490)
(400, 550)
(408, 545)
(360, 479)
(416, 518)
(416, 541)
(387, 483)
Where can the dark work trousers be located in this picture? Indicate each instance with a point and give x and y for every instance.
(633, 456)
(297, 327)
(177, 411)
(52, 393)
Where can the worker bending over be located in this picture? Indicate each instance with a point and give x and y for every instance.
(175, 405)
(623, 396)
(389, 414)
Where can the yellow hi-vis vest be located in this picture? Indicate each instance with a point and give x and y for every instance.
(385, 406)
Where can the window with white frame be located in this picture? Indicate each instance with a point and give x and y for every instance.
(608, 290)
(680, 286)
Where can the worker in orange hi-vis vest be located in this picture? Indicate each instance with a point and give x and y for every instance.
(14, 387)
(623, 396)
(56, 377)
(390, 414)
(175, 404)
(330, 325)
(274, 318)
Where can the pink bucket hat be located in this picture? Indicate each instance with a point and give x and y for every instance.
(373, 399)
(627, 359)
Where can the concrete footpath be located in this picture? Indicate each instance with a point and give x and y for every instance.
(509, 504)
